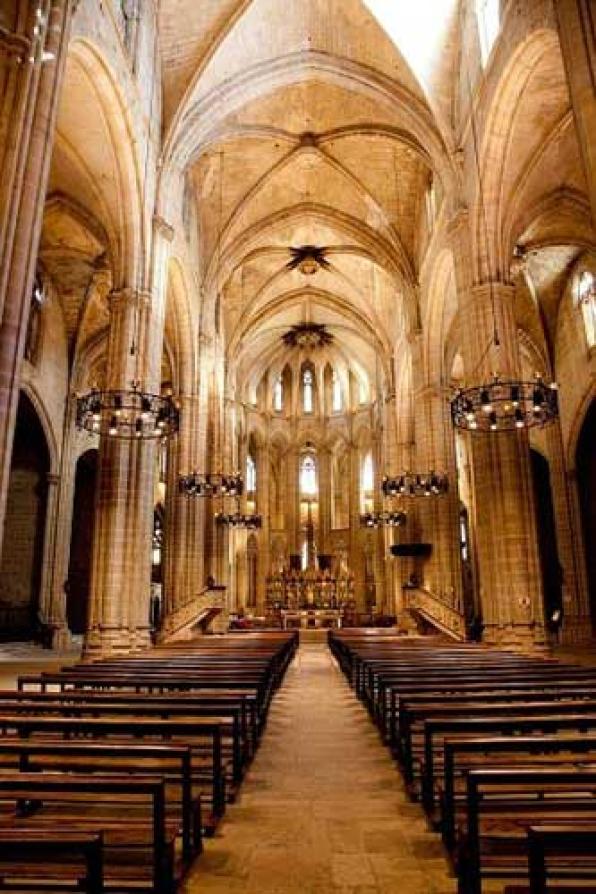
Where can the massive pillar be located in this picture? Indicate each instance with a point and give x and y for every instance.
(31, 70)
(509, 571)
(121, 566)
(438, 515)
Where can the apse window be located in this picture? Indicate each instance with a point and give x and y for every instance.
(336, 401)
(251, 475)
(585, 297)
(367, 483)
(278, 395)
(488, 19)
(308, 476)
(307, 391)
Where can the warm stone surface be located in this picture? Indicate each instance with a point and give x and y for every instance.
(323, 807)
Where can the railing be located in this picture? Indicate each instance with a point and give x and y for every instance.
(437, 611)
(190, 613)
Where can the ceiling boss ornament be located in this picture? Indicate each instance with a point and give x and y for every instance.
(308, 336)
(308, 259)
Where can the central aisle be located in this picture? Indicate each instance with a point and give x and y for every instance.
(322, 808)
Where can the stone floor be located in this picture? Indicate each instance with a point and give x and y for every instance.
(28, 658)
(323, 808)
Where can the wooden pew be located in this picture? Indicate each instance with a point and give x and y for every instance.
(139, 842)
(170, 763)
(436, 731)
(196, 734)
(501, 805)
(228, 719)
(51, 861)
(548, 846)
(463, 755)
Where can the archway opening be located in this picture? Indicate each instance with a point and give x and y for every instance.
(24, 532)
(585, 459)
(81, 542)
(550, 565)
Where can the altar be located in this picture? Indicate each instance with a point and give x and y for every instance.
(311, 618)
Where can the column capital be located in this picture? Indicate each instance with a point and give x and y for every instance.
(15, 48)
(485, 291)
(459, 219)
(163, 228)
(118, 299)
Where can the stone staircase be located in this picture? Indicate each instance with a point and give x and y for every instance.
(424, 609)
(205, 613)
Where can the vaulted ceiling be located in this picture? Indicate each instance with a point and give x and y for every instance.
(302, 128)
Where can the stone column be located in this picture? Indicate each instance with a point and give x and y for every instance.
(29, 95)
(508, 563)
(438, 515)
(54, 602)
(264, 535)
(357, 534)
(325, 498)
(575, 21)
(184, 575)
(576, 609)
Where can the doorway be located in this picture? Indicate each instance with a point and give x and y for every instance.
(81, 542)
(585, 463)
(24, 531)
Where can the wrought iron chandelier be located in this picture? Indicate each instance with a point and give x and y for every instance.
(127, 414)
(500, 405)
(238, 519)
(505, 405)
(131, 413)
(415, 484)
(380, 519)
(211, 484)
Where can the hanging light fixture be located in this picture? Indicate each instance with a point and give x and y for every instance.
(415, 484)
(127, 414)
(381, 519)
(238, 519)
(130, 414)
(209, 484)
(500, 405)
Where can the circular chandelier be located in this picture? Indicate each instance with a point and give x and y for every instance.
(238, 519)
(390, 519)
(505, 405)
(211, 484)
(127, 414)
(410, 484)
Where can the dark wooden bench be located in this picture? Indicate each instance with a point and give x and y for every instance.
(51, 861)
(551, 846)
(463, 755)
(501, 805)
(139, 842)
(169, 762)
(201, 736)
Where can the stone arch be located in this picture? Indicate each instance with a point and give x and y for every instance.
(441, 309)
(196, 124)
(498, 131)
(108, 167)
